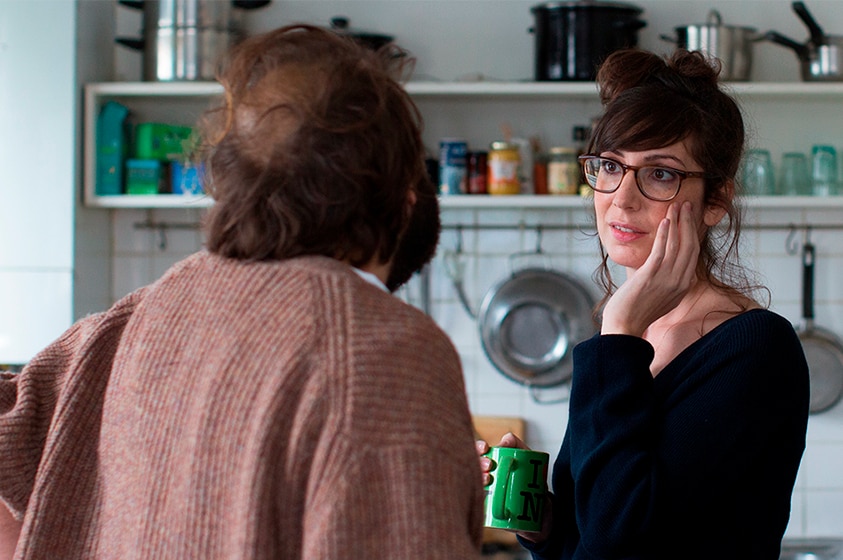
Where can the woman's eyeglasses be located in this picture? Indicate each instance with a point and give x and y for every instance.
(605, 175)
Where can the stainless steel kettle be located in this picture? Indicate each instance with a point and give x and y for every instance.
(821, 57)
(183, 40)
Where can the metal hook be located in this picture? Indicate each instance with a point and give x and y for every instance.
(539, 239)
(790, 243)
(535, 396)
(162, 238)
(455, 269)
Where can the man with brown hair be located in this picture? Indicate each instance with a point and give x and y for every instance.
(267, 397)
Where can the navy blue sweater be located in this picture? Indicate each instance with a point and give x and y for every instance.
(698, 462)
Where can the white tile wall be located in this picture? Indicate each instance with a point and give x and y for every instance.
(139, 257)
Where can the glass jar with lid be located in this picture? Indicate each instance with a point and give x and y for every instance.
(563, 171)
(504, 165)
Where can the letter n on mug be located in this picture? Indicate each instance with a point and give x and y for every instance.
(515, 497)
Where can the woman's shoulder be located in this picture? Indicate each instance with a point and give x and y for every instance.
(758, 336)
(758, 320)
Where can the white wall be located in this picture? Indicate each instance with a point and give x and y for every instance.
(37, 124)
(466, 39)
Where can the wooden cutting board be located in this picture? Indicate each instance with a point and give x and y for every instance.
(491, 429)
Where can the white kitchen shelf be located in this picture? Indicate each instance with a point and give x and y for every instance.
(150, 201)
(469, 202)
(156, 97)
(810, 90)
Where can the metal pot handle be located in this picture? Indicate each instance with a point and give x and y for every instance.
(629, 26)
(808, 255)
(714, 18)
(818, 36)
(538, 251)
(454, 267)
(134, 43)
(801, 50)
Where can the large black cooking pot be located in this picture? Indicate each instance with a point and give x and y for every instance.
(573, 38)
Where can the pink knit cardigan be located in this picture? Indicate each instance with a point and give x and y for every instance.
(244, 411)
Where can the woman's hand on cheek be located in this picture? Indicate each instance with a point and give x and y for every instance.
(662, 281)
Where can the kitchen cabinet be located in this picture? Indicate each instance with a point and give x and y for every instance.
(780, 117)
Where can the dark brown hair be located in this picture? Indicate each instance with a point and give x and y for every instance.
(652, 102)
(313, 151)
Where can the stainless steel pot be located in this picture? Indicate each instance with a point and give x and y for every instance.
(183, 40)
(821, 57)
(817, 63)
(184, 13)
(731, 45)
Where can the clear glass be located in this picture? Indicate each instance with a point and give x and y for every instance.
(757, 177)
(794, 177)
(605, 175)
(824, 170)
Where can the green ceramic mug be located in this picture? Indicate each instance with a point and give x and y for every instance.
(515, 497)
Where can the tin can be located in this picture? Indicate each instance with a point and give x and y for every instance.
(478, 172)
(563, 171)
(504, 163)
(453, 166)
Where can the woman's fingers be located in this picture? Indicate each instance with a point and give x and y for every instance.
(481, 446)
(511, 440)
(508, 440)
(676, 246)
(689, 245)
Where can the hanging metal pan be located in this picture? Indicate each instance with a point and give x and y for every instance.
(530, 322)
(823, 349)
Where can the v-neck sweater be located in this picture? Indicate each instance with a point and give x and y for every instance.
(698, 462)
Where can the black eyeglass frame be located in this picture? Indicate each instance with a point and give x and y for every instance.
(584, 159)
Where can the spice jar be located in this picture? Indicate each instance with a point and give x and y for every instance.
(540, 174)
(478, 172)
(563, 171)
(504, 162)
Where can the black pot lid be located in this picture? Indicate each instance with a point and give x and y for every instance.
(340, 24)
(587, 5)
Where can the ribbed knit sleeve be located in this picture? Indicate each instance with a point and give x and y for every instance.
(34, 402)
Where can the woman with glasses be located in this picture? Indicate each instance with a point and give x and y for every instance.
(688, 410)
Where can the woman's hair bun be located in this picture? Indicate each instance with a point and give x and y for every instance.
(688, 73)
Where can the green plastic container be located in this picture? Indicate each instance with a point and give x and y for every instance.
(143, 176)
(164, 142)
(111, 148)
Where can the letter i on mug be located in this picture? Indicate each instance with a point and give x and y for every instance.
(515, 497)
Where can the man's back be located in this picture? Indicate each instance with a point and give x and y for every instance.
(266, 410)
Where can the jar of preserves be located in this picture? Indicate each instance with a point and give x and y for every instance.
(504, 166)
(563, 171)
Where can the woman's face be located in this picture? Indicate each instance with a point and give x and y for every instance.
(627, 221)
